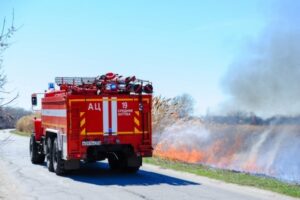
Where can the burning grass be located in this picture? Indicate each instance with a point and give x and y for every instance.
(269, 150)
(262, 182)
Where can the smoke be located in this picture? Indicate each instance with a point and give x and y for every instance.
(264, 78)
(267, 150)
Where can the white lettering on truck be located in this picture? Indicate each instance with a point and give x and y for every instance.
(95, 106)
(125, 111)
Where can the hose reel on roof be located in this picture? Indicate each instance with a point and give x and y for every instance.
(107, 83)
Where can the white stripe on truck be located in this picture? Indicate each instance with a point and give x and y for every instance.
(105, 115)
(54, 112)
(114, 115)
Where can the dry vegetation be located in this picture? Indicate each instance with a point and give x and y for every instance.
(162, 114)
(166, 111)
(25, 124)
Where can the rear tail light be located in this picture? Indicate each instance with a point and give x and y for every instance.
(77, 155)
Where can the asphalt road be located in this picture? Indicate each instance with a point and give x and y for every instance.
(19, 179)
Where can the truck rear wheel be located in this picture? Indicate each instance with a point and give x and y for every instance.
(133, 163)
(35, 156)
(49, 154)
(58, 163)
(132, 170)
(130, 163)
(125, 163)
(114, 161)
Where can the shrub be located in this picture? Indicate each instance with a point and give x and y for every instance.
(25, 123)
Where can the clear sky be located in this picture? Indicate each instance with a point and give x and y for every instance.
(181, 46)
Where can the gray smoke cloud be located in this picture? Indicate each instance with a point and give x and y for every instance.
(265, 77)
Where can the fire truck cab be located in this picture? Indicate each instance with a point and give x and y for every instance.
(90, 119)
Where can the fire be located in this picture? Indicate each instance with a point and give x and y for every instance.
(209, 156)
(181, 154)
(213, 155)
(240, 150)
(251, 166)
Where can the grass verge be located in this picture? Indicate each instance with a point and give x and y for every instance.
(228, 176)
(20, 133)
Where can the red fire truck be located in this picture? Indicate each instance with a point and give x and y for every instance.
(90, 119)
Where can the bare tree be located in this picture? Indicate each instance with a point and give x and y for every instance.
(167, 111)
(6, 33)
(9, 116)
(183, 105)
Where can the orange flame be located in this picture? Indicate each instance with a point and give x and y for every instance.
(214, 155)
(178, 153)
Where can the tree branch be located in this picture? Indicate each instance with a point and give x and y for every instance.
(6, 33)
(6, 103)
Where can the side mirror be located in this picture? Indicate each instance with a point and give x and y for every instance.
(33, 100)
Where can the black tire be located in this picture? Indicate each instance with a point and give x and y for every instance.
(49, 157)
(114, 162)
(35, 156)
(120, 161)
(58, 163)
(135, 161)
(132, 170)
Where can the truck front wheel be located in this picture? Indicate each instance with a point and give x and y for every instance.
(35, 156)
(58, 163)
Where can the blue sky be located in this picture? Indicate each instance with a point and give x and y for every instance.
(181, 46)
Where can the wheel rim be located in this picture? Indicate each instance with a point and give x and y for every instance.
(48, 161)
(54, 155)
(30, 148)
(48, 145)
(48, 152)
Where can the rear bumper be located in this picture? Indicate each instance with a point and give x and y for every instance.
(100, 152)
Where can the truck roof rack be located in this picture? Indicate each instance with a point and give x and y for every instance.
(74, 80)
(107, 83)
